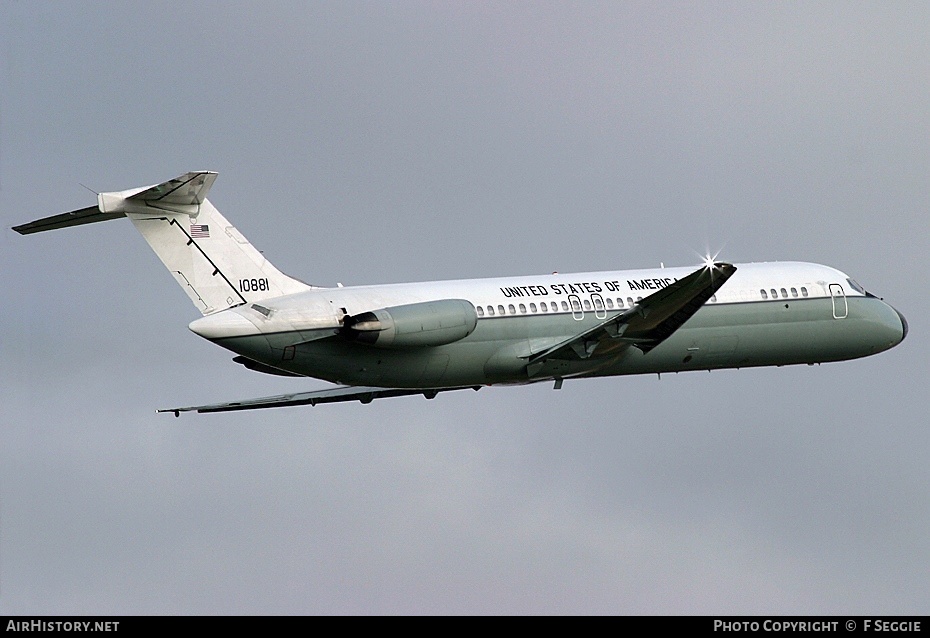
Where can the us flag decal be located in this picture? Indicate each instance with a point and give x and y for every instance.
(200, 230)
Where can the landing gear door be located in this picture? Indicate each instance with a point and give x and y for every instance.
(840, 309)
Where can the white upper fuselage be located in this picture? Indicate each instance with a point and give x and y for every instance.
(599, 293)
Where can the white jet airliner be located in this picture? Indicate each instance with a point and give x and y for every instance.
(425, 338)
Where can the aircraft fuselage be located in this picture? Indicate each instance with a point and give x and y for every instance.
(810, 314)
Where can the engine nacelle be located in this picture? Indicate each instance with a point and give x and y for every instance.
(430, 323)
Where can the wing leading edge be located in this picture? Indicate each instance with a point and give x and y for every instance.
(334, 395)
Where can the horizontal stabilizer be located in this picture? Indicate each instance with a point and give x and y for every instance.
(87, 215)
(187, 190)
(182, 194)
(334, 395)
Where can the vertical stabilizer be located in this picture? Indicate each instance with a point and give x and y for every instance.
(215, 265)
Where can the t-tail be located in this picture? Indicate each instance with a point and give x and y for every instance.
(215, 265)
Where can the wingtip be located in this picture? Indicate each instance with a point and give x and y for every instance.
(723, 266)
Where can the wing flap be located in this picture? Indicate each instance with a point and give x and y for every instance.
(334, 395)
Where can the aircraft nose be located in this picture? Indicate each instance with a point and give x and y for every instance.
(891, 326)
(227, 323)
(903, 324)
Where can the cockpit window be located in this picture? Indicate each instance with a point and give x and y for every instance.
(855, 286)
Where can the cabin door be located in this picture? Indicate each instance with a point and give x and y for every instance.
(840, 309)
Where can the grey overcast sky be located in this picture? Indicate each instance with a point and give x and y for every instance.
(381, 142)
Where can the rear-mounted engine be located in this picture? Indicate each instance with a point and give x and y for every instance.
(431, 323)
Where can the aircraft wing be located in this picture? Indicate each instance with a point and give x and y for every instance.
(333, 395)
(646, 324)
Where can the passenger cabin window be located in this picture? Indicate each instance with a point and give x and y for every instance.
(620, 302)
(774, 294)
(555, 307)
(480, 311)
(764, 294)
(794, 292)
(713, 298)
(500, 310)
(522, 309)
(532, 307)
(490, 311)
(565, 306)
(511, 309)
(784, 293)
(629, 300)
(587, 305)
(803, 291)
(544, 307)
(610, 303)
